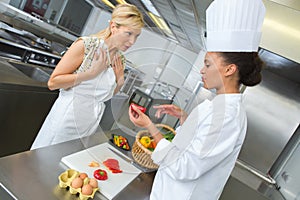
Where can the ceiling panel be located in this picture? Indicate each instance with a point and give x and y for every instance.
(183, 15)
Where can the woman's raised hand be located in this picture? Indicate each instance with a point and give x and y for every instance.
(118, 68)
(99, 62)
(172, 110)
(98, 65)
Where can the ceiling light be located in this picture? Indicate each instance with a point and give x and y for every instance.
(148, 4)
(108, 3)
(121, 1)
(161, 24)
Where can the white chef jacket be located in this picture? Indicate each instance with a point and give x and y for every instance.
(78, 110)
(199, 160)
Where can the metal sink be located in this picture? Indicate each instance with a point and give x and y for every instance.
(33, 72)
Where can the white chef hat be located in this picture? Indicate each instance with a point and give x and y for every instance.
(234, 25)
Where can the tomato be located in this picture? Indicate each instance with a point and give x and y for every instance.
(141, 108)
(153, 144)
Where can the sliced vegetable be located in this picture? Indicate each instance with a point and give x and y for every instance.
(121, 142)
(112, 165)
(100, 174)
(94, 164)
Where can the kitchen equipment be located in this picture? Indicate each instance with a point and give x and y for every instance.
(26, 38)
(147, 101)
(141, 154)
(133, 78)
(27, 47)
(115, 182)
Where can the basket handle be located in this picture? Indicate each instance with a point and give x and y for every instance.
(166, 127)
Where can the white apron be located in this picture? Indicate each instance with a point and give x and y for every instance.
(78, 110)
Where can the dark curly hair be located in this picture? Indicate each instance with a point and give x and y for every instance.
(249, 66)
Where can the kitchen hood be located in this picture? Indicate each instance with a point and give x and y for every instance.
(186, 20)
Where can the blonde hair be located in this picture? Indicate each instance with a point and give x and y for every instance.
(124, 15)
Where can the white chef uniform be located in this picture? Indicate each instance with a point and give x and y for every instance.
(199, 160)
(78, 110)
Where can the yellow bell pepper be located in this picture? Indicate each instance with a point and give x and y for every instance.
(145, 141)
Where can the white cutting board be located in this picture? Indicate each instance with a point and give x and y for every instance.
(115, 182)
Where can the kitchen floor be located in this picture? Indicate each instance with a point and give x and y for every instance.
(236, 190)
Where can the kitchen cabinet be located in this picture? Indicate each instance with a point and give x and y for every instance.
(24, 104)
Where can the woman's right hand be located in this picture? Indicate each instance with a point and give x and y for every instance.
(99, 63)
(138, 117)
(172, 110)
(63, 75)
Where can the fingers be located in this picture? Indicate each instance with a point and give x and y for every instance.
(133, 113)
(134, 117)
(99, 54)
(100, 58)
(157, 114)
(159, 106)
(138, 117)
(161, 109)
(163, 106)
(169, 109)
(118, 61)
(96, 55)
(138, 111)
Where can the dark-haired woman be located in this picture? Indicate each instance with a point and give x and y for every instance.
(199, 160)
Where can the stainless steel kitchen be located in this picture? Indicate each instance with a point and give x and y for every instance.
(166, 64)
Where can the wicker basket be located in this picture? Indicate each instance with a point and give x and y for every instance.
(141, 154)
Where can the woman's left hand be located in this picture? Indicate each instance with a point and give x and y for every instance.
(118, 68)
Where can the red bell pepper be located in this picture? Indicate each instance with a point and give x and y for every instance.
(141, 108)
(100, 174)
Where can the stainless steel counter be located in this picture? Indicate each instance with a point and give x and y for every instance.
(34, 174)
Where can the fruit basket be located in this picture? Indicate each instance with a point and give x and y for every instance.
(141, 154)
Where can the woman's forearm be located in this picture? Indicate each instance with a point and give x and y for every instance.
(120, 83)
(183, 117)
(63, 81)
(155, 133)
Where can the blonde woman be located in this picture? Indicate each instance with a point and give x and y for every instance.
(90, 73)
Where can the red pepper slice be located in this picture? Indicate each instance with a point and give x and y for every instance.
(116, 171)
(112, 165)
(100, 174)
(141, 108)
